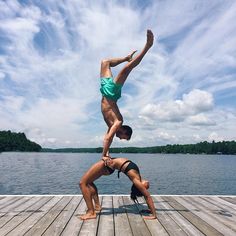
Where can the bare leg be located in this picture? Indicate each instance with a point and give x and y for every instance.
(95, 197)
(108, 63)
(93, 173)
(122, 76)
(90, 214)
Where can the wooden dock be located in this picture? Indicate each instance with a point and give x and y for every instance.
(176, 215)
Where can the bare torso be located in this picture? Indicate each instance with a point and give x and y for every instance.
(110, 111)
(116, 163)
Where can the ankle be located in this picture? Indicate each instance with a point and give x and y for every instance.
(91, 212)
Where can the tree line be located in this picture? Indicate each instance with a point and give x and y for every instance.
(223, 147)
(10, 141)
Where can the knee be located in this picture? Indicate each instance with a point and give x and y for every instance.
(82, 183)
(105, 62)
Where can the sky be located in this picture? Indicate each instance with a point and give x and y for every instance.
(184, 90)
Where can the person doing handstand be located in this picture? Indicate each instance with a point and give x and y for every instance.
(107, 167)
(111, 92)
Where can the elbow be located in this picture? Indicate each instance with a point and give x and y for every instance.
(119, 123)
(105, 62)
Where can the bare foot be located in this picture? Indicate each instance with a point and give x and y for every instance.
(130, 56)
(149, 217)
(98, 208)
(150, 38)
(88, 216)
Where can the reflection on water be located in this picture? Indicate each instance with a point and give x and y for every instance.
(59, 173)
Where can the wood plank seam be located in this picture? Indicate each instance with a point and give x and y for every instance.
(46, 213)
(72, 215)
(29, 214)
(196, 217)
(57, 215)
(113, 214)
(127, 216)
(136, 205)
(18, 212)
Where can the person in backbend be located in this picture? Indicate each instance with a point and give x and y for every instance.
(111, 92)
(107, 167)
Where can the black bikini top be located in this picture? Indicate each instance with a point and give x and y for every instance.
(121, 167)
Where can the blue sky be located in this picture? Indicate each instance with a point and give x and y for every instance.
(184, 91)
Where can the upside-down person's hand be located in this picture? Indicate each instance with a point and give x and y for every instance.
(106, 158)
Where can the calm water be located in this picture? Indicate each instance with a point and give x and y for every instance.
(59, 173)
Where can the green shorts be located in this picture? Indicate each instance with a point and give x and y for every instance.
(109, 89)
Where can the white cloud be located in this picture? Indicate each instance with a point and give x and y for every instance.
(201, 120)
(215, 137)
(50, 60)
(194, 102)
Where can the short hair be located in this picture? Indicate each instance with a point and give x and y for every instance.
(128, 131)
(135, 193)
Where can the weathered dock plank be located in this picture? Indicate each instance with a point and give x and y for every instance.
(168, 223)
(11, 203)
(5, 200)
(89, 227)
(183, 223)
(204, 222)
(223, 204)
(60, 222)
(15, 208)
(74, 225)
(121, 221)
(136, 221)
(217, 212)
(24, 212)
(154, 226)
(27, 224)
(41, 226)
(106, 222)
(59, 216)
(229, 199)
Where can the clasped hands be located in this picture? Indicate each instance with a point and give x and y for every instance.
(107, 160)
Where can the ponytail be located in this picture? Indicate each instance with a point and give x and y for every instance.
(135, 193)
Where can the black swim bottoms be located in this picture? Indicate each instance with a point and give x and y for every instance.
(110, 170)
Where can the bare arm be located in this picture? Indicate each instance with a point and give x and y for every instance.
(109, 137)
(148, 199)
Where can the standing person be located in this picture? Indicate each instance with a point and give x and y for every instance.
(89, 189)
(107, 167)
(111, 92)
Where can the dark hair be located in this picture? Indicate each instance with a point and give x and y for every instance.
(128, 131)
(135, 193)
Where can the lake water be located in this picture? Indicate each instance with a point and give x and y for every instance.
(59, 173)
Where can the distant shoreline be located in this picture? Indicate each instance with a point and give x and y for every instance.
(10, 141)
(224, 148)
(116, 153)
